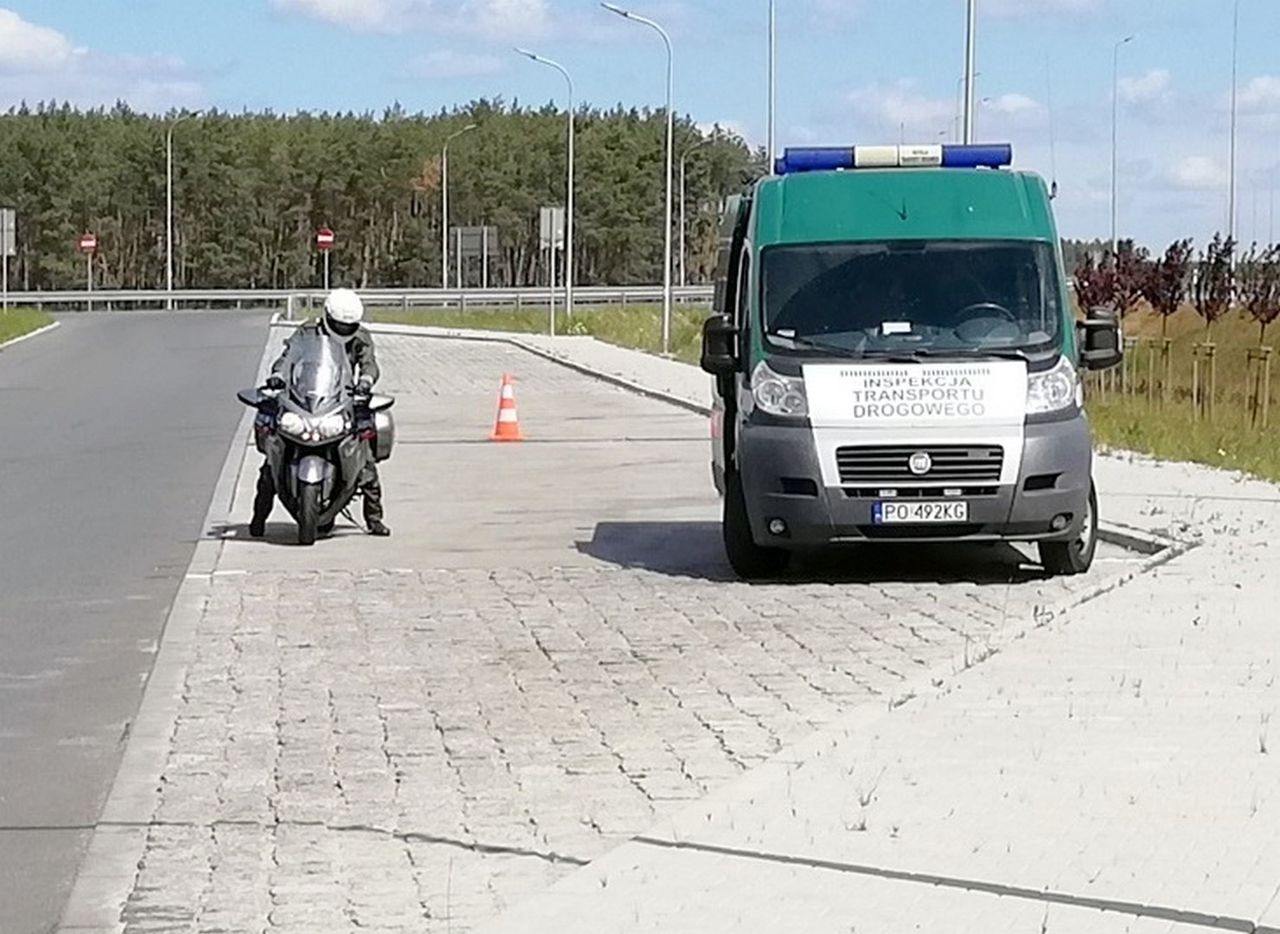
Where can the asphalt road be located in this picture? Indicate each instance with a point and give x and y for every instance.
(114, 430)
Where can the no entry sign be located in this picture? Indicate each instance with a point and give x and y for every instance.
(324, 239)
(88, 243)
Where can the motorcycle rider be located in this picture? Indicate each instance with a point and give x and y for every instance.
(343, 313)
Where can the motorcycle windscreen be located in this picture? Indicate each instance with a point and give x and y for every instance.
(318, 371)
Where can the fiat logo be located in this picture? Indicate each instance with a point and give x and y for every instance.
(920, 463)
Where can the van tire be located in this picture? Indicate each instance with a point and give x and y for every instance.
(1065, 559)
(748, 560)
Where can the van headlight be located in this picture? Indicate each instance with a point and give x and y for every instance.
(779, 395)
(1054, 390)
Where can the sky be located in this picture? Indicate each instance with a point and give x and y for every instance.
(849, 71)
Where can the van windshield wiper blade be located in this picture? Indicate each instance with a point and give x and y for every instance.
(924, 353)
(808, 343)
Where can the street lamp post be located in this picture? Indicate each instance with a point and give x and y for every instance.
(970, 58)
(168, 211)
(773, 95)
(1231, 175)
(959, 125)
(666, 263)
(1271, 219)
(444, 204)
(982, 103)
(1115, 132)
(684, 162)
(569, 184)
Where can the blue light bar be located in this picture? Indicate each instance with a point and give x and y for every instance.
(835, 158)
(977, 156)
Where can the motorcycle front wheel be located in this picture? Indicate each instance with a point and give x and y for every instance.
(308, 512)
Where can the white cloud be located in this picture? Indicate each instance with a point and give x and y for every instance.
(503, 18)
(1145, 88)
(39, 64)
(26, 47)
(491, 19)
(448, 63)
(890, 106)
(1198, 173)
(1014, 104)
(1260, 96)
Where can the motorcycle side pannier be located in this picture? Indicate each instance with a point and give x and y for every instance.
(384, 437)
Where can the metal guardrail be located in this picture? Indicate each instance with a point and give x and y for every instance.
(119, 299)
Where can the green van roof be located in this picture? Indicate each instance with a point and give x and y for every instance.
(902, 204)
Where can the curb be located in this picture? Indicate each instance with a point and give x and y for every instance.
(1113, 533)
(110, 866)
(14, 341)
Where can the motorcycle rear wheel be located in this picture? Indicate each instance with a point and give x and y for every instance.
(308, 513)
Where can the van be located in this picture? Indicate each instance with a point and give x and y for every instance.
(896, 359)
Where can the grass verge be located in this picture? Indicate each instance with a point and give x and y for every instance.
(16, 322)
(1131, 423)
(636, 326)
(1173, 433)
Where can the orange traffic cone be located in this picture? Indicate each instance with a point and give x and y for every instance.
(508, 426)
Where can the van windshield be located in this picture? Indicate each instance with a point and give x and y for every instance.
(905, 297)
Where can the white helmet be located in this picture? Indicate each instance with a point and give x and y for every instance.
(343, 311)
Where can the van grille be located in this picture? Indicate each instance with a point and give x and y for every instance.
(960, 464)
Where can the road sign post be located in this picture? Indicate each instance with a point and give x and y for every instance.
(88, 245)
(8, 247)
(325, 239)
(478, 245)
(551, 237)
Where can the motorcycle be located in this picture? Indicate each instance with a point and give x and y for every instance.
(318, 432)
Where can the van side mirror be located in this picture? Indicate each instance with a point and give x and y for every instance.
(1099, 336)
(719, 345)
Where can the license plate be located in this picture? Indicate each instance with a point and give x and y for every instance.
(922, 512)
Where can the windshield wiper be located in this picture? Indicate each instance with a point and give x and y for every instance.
(925, 353)
(808, 343)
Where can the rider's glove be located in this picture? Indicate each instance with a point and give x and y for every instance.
(365, 386)
(275, 382)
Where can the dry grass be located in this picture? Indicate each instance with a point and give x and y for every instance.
(1165, 423)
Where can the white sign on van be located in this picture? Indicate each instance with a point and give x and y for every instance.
(918, 394)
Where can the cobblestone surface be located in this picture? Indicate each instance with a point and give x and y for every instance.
(425, 746)
(360, 749)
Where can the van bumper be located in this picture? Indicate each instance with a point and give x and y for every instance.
(782, 480)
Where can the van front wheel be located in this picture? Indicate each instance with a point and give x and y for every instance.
(1062, 559)
(748, 560)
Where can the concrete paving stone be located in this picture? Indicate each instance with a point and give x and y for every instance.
(559, 660)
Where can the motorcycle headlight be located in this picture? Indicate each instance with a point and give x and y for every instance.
(779, 395)
(1053, 390)
(291, 423)
(331, 426)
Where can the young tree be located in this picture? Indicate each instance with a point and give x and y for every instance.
(1131, 266)
(1215, 281)
(1165, 287)
(1095, 283)
(1259, 285)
